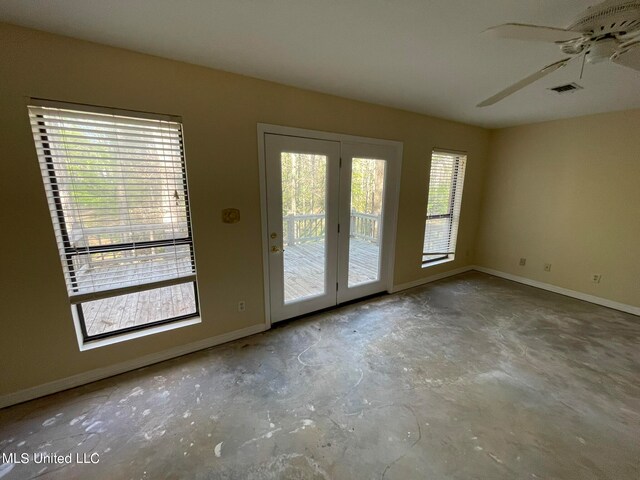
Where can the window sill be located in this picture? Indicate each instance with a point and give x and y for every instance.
(438, 262)
(92, 344)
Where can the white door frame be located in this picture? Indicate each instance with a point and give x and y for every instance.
(396, 165)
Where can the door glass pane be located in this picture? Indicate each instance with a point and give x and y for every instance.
(304, 199)
(367, 194)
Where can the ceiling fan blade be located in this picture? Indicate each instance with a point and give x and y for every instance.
(536, 33)
(629, 36)
(629, 56)
(524, 82)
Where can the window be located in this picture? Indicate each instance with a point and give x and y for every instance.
(443, 207)
(116, 185)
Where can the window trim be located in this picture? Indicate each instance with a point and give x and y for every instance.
(70, 251)
(124, 337)
(90, 338)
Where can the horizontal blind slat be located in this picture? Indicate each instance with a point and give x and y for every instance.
(111, 120)
(69, 132)
(142, 161)
(120, 147)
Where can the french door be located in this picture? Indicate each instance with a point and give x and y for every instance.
(330, 219)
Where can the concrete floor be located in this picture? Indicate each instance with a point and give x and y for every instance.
(473, 377)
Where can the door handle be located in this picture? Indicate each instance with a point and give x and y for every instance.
(275, 249)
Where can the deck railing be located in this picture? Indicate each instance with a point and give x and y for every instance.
(80, 238)
(296, 229)
(302, 228)
(365, 226)
(309, 228)
(85, 236)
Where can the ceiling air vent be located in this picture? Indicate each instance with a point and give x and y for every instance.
(569, 87)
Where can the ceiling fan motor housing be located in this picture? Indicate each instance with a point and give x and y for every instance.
(608, 18)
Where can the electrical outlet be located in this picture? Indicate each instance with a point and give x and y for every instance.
(596, 277)
(242, 306)
(523, 262)
(547, 267)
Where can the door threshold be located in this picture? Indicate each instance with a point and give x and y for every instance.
(286, 321)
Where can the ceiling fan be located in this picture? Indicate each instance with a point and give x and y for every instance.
(607, 31)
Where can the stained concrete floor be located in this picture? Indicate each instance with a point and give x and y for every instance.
(473, 377)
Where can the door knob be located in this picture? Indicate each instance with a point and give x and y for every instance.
(275, 249)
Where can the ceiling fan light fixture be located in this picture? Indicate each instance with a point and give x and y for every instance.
(602, 50)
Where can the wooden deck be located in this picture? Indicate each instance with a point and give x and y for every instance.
(304, 277)
(138, 308)
(304, 267)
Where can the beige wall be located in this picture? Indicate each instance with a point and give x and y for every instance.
(567, 193)
(220, 112)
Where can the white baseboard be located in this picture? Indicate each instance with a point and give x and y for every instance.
(105, 372)
(623, 307)
(432, 278)
(101, 373)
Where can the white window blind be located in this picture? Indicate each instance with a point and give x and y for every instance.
(117, 191)
(446, 182)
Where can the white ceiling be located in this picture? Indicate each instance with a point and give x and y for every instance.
(427, 56)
